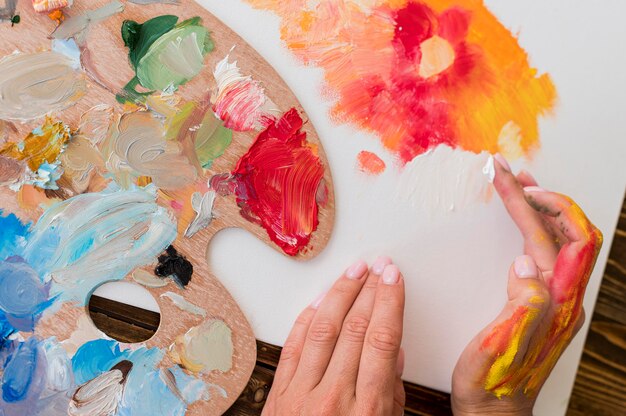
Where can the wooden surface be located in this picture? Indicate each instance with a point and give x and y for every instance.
(109, 57)
(600, 388)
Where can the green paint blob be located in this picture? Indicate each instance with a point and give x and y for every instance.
(164, 55)
(212, 139)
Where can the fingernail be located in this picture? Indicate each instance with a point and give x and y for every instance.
(318, 301)
(534, 189)
(379, 265)
(525, 267)
(400, 363)
(357, 270)
(502, 161)
(391, 274)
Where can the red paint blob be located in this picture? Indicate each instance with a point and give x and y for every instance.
(276, 183)
(370, 163)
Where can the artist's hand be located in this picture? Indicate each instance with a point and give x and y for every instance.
(343, 354)
(502, 370)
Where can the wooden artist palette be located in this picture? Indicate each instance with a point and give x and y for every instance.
(182, 113)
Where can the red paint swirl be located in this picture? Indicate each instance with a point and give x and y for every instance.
(276, 183)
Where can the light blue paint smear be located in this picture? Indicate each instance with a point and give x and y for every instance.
(146, 392)
(97, 237)
(37, 379)
(13, 234)
(22, 295)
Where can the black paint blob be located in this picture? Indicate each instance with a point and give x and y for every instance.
(171, 264)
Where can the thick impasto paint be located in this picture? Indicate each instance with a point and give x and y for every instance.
(421, 73)
(109, 196)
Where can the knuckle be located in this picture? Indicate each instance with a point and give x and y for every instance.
(290, 351)
(385, 341)
(304, 319)
(536, 295)
(355, 328)
(323, 332)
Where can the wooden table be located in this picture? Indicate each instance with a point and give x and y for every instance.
(600, 388)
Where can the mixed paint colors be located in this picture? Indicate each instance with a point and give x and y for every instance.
(526, 350)
(420, 74)
(110, 196)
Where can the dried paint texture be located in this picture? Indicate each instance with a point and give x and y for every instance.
(35, 84)
(567, 285)
(175, 265)
(164, 54)
(41, 150)
(138, 145)
(211, 139)
(102, 395)
(47, 6)
(148, 279)
(240, 101)
(420, 74)
(92, 238)
(203, 206)
(370, 163)
(184, 304)
(77, 26)
(204, 348)
(276, 183)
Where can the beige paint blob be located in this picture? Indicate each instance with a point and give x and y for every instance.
(35, 84)
(437, 56)
(204, 348)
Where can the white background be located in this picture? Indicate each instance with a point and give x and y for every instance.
(455, 263)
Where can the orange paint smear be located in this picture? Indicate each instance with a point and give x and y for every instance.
(370, 163)
(421, 74)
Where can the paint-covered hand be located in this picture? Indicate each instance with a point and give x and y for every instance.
(343, 355)
(502, 370)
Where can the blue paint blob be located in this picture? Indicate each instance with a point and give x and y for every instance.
(13, 235)
(96, 357)
(22, 295)
(19, 370)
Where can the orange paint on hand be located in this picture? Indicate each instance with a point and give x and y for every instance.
(370, 163)
(421, 73)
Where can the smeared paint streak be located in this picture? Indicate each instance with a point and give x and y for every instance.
(489, 170)
(82, 156)
(78, 25)
(147, 279)
(22, 295)
(420, 73)
(171, 264)
(276, 183)
(47, 6)
(203, 205)
(505, 342)
(35, 84)
(183, 304)
(455, 181)
(370, 163)
(41, 150)
(101, 396)
(137, 145)
(204, 348)
(85, 332)
(86, 240)
(211, 140)
(164, 54)
(37, 378)
(240, 101)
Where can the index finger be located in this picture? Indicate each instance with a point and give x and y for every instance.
(378, 365)
(539, 242)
